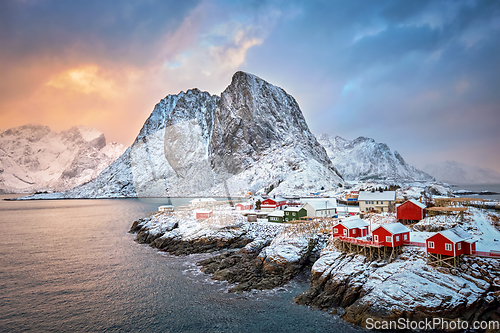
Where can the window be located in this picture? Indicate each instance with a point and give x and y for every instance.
(459, 246)
(375, 238)
(335, 230)
(377, 202)
(381, 209)
(447, 246)
(354, 231)
(397, 238)
(405, 236)
(345, 232)
(388, 239)
(431, 245)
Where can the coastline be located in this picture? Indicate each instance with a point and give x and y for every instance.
(341, 283)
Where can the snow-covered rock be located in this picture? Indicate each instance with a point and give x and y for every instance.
(252, 138)
(363, 159)
(34, 158)
(406, 288)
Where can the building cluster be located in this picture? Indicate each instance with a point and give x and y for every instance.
(278, 209)
(353, 229)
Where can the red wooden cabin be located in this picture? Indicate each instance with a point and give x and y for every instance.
(243, 206)
(451, 242)
(274, 203)
(410, 210)
(351, 227)
(392, 235)
(203, 214)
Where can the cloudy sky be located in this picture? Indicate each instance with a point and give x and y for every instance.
(421, 76)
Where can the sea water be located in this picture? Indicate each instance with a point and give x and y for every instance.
(70, 265)
(480, 188)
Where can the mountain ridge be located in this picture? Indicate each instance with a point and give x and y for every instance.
(198, 144)
(35, 158)
(363, 159)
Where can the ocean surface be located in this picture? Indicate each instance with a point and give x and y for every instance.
(71, 266)
(479, 188)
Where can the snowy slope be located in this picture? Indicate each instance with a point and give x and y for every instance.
(458, 173)
(252, 138)
(364, 159)
(34, 158)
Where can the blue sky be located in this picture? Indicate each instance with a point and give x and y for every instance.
(421, 76)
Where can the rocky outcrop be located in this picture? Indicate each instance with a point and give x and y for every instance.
(254, 255)
(406, 288)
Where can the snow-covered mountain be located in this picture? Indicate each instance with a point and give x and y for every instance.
(34, 158)
(363, 159)
(251, 138)
(458, 173)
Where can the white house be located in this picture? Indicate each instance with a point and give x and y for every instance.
(320, 208)
(166, 208)
(379, 201)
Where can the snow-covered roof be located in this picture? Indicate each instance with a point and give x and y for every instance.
(294, 209)
(321, 204)
(394, 228)
(456, 234)
(377, 195)
(354, 222)
(244, 203)
(203, 211)
(166, 206)
(332, 201)
(418, 203)
(277, 213)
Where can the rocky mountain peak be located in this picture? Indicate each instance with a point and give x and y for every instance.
(251, 138)
(367, 160)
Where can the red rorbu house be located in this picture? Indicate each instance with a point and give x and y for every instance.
(451, 242)
(243, 206)
(203, 213)
(410, 210)
(351, 227)
(272, 204)
(391, 235)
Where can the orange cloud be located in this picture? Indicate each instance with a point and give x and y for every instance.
(117, 97)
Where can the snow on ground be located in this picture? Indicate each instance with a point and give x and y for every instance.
(420, 236)
(489, 237)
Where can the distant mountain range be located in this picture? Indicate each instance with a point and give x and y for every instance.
(363, 159)
(34, 158)
(252, 138)
(453, 172)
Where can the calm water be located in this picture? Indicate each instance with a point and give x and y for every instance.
(479, 188)
(71, 266)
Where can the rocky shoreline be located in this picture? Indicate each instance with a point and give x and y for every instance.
(253, 255)
(266, 255)
(360, 289)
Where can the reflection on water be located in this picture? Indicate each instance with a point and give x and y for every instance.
(71, 266)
